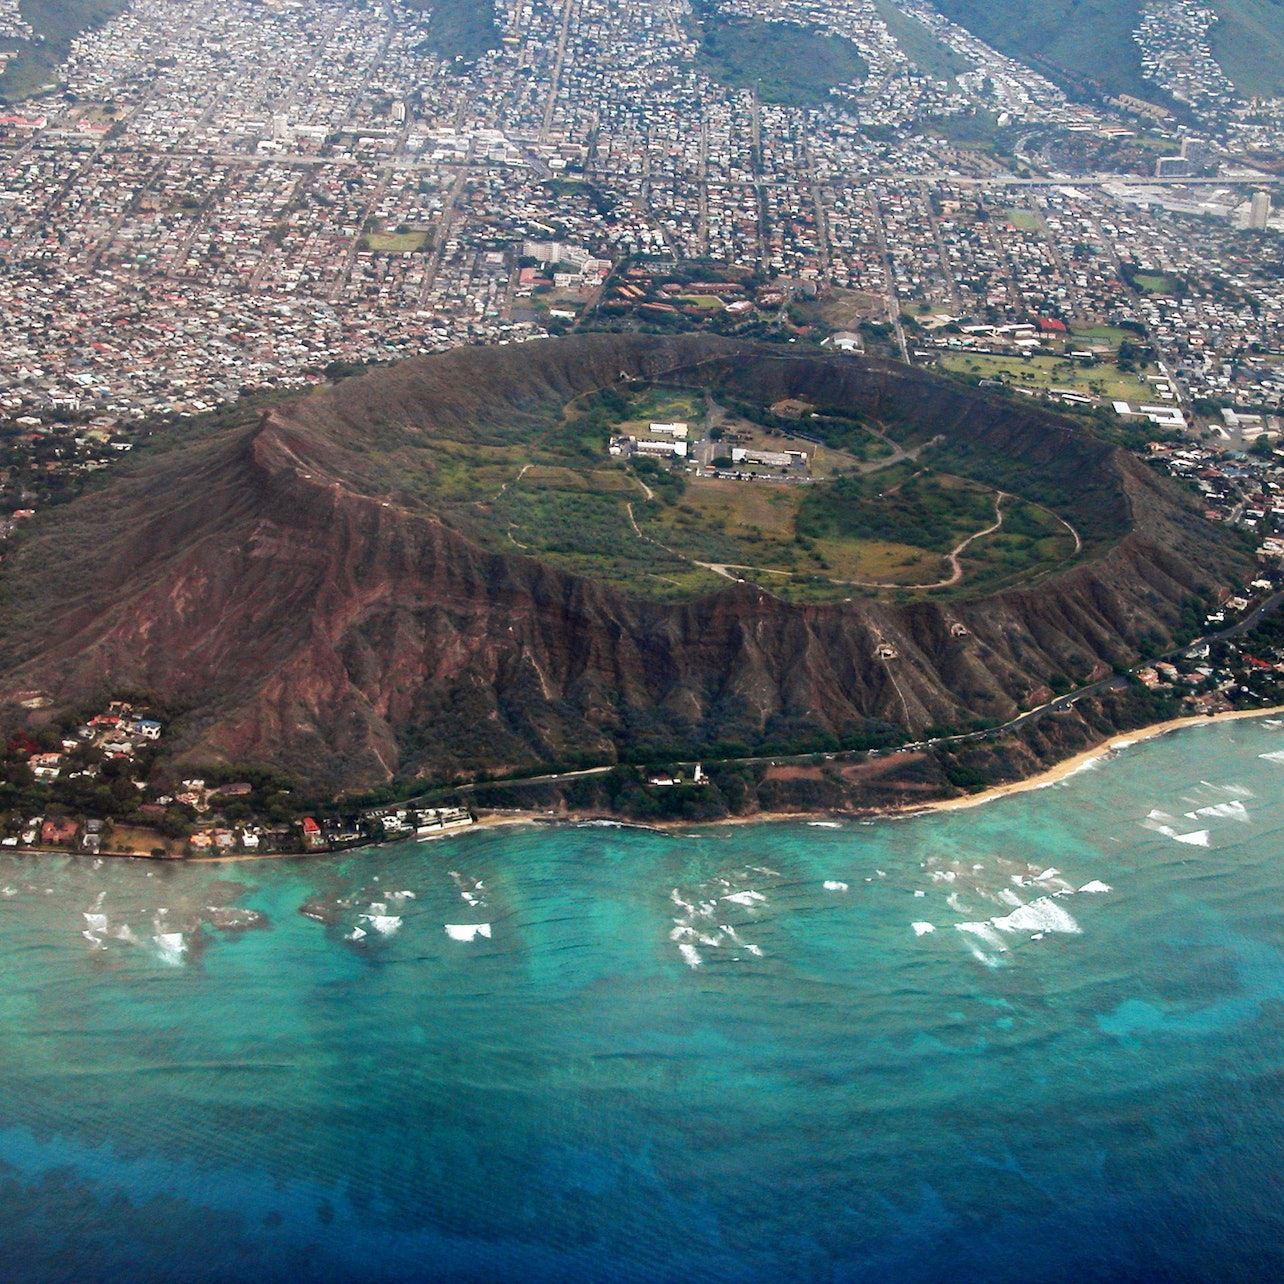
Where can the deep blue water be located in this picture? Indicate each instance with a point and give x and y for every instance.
(1078, 1085)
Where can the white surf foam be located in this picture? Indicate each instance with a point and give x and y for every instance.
(1230, 791)
(920, 892)
(384, 924)
(985, 932)
(833, 885)
(1088, 764)
(1096, 886)
(744, 898)
(824, 824)
(690, 955)
(469, 931)
(1276, 755)
(1234, 810)
(170, 947)
(96, 928)
(922, 929)
(1160, 822)
(1042, 915)
(357, 934)
(989, 960)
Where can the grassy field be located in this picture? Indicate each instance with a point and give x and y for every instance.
(1022, 220)
(662, 405)
(788, 64)
(839, 309)
(394, 242)
(1044, 373)
(1104, 335)
(1156, 282)
(892, 529)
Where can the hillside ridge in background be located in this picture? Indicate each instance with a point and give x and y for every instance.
(276, 586)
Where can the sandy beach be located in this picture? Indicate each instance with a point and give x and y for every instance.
(1080, 760)
(507, 819)
(1045, 778)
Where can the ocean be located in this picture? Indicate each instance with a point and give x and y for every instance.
(1040, 1038)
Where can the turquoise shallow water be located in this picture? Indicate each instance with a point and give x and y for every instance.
(674, 1057)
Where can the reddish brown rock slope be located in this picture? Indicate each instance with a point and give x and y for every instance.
(271, 584)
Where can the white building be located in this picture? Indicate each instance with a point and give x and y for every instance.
(771, 458)
(678, 448)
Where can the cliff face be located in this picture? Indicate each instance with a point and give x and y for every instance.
(267, 583)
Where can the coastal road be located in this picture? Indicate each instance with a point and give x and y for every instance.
(1061, 704)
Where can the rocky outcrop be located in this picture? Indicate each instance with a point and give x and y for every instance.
(276, 587)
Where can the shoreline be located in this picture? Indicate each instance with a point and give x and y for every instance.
(1053, 775)
(1112, 744)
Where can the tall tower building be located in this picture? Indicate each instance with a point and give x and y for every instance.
(1259, 211)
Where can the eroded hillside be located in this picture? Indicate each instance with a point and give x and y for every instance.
(298, 594)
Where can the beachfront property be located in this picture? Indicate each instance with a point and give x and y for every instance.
(408, 822)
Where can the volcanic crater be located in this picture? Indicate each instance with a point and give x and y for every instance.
(438, 569)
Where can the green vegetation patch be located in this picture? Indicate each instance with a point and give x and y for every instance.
(459, 29)
(1155, 282)
(1109, 335)
(901, 506)
(1248, 44)
(1044, 373)
(59, 22)
(789, 64)
(973, 131)
(394, 242)
(1022, 220)
(1087, 44)
(932, 57)
(873, 510)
